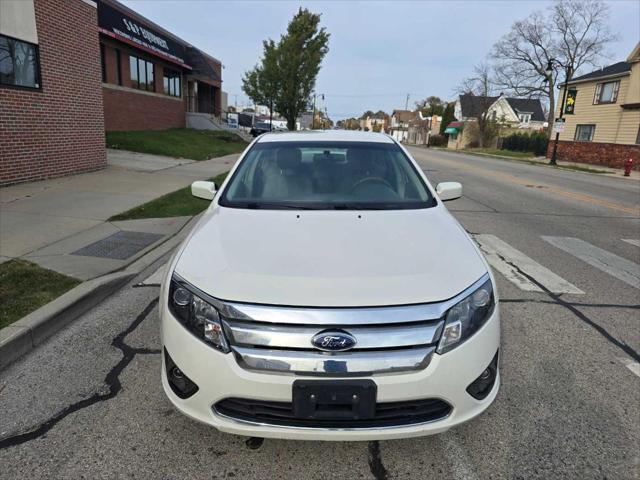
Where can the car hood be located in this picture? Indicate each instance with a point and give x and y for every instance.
(330, 258)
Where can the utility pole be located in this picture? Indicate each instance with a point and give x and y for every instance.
(406, 103)
(313, 119)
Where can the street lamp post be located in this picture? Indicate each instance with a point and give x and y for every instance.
(549, 72)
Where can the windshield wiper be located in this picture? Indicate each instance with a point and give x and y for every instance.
(360, 206)
(276, 206)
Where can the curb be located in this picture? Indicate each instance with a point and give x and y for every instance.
(30, 331)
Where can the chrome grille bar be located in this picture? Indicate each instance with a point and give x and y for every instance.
(299, 337)
(335, 364)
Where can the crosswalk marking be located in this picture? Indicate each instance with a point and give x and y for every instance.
(618, 267)
(156, 277)
(631, 365)
(511, 262)
(632, 241)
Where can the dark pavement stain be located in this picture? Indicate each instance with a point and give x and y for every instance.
(111, 381)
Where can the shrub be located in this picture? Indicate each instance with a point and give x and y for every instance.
(535, 143)
(438, 140)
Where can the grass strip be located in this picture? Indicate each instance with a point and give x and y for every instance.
(175, 204)
(25, 287)
(178, 143)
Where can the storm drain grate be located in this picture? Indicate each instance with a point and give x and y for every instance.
(119, 246)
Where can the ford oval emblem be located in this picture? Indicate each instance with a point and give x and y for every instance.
(333, 341)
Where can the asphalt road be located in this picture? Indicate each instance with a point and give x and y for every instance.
(88, 403)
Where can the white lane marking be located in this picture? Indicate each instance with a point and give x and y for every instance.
(156, 277)
(632, 241)
(621, 268)
(509, 262)
(631, 365)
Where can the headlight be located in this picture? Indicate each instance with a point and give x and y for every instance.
(466, 317)
(197, 315)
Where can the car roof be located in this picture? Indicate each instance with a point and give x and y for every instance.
(325, 136)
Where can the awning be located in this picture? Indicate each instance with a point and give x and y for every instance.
(454, 127)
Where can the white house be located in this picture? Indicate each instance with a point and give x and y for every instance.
(510, 113)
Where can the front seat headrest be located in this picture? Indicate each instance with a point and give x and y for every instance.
(289, 158)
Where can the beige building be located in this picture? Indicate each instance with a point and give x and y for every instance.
(373, 124)
(602, 116)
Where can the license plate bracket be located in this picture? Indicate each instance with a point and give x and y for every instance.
(334, 399)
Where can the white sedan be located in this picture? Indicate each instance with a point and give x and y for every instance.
(328, 294)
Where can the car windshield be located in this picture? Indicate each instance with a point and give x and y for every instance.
(326, 176)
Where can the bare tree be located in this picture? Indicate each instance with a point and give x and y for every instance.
(573, 33)
(480, 85)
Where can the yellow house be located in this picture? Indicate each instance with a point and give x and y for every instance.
(602, 115)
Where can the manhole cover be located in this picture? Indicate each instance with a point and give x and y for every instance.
(119, 246)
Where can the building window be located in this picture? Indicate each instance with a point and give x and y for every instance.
(19, 63)
(118, 68)
(606, 92)
(141, 73)
(584, 133)
(172, 83)
(524, 117)
(103, 64)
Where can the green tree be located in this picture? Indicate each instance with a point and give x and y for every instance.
(288, 69)
(431, 106)
(351, 124)
(261, 84)
(447, 116)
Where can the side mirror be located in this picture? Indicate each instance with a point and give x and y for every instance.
(206, 190)
(449, 191)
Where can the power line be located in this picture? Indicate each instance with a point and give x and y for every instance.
(364, 95)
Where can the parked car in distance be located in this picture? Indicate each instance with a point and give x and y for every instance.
(265, 127)
(328, 294)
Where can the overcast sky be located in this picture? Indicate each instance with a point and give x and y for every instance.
(378, 51)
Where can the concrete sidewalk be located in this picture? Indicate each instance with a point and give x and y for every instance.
(56, 223)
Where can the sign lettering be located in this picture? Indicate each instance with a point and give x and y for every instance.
(123, 26)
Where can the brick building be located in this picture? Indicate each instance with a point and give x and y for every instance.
(51, 115)
(71, 69)
(152, 79)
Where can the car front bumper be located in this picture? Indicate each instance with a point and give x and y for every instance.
(218, 376)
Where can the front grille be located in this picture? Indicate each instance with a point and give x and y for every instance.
(288, 340)
(378, 348)
(388, 414)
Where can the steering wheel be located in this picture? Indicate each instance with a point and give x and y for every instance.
(378, 180)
